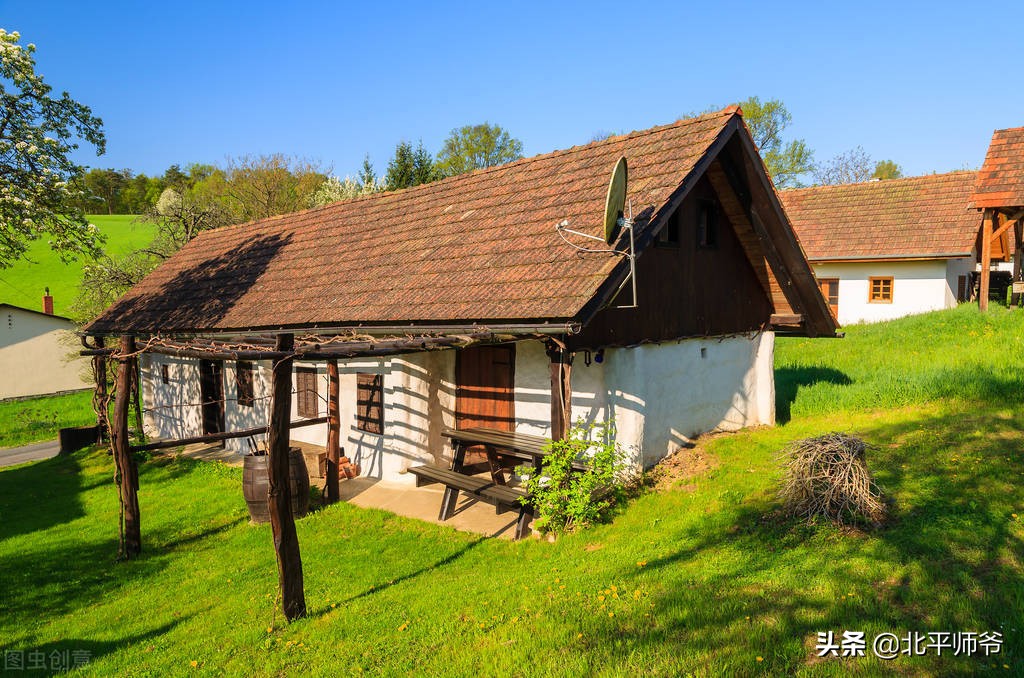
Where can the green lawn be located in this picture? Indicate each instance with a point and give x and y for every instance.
(36, 419)
(698, 581)
(23, 283)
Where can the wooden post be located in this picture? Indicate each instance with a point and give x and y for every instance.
(987, 226)
(561, 391)
(128, 471)
(333, 431)
(1018, 252)
(282, 522)
(99, 397)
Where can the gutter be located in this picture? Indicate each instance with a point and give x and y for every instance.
(890, 257)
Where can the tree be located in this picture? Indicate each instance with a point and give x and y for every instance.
(106, 185)
(367, 177)
(256, 187)
(423, 171)
(850, 167)
(475, 147)
(38, 133)
(887, 169)
(401, 169)
(786, 161)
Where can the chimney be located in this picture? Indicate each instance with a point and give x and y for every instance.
(47, 303)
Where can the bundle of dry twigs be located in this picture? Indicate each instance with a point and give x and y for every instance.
(828, 477)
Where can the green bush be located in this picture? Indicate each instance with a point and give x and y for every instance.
(568, 499)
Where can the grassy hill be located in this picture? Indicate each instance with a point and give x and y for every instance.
(704, 579)
(23, 284)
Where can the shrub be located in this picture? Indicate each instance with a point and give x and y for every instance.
(566, 499)
(828, 477)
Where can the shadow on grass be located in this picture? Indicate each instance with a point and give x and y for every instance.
(40, 495)
(789, 380)
(447, 560)
(951, 560)
(46, 659)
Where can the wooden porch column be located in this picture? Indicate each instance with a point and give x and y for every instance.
(333, 431)
(282, 522)
(124, 460)
(561, 390)
(987, 226)
(1018, 251)
(99, 397)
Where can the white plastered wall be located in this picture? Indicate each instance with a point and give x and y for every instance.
(918, 287)
(172, 410)
(659, 395)
(38, 355)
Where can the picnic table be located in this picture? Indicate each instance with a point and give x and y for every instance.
(498, 445)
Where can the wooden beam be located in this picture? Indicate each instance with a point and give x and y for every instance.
(1018, 252)
(988, 224)
(216, 437)
(282, 522)
(333, 431)
(786, 319)
(124, 460)
(561, 391)
(100, 400)
(1005, 227)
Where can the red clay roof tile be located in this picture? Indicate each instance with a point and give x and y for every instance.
(480, 247)
(917, 216)
(1001, 179)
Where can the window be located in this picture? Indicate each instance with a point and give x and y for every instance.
(669, 235)
(243, 383)
(707, 228)
(370, 402)
(880, 290)
(165, 376)
(305, 392)
(830, 290)
(963, 288)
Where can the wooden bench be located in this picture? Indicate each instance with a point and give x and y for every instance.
(503, 498)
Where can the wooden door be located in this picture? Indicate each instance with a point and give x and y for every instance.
(484, 390)
(830, 290)
(211, 394)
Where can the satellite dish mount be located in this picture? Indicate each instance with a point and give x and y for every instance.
(615, 221)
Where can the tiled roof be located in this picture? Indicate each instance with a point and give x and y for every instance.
(1001, 179)
(477, 247)
(927, 216)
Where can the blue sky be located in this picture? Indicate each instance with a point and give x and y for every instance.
(921, 83)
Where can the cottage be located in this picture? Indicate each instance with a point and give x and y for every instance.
(886, 249)
(36, 353)
(460, 303)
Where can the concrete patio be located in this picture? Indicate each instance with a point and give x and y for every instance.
(421, 503)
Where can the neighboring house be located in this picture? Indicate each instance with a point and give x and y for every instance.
(476, 259)
(38, 353)
(886, 249)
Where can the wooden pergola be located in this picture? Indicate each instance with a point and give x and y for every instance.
(997, 221)
(282, 349)
(999, 194)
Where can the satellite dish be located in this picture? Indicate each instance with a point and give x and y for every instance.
(615, 203)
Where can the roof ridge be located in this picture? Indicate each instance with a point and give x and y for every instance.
(879, 182)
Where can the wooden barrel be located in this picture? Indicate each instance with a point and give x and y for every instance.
(256, 485)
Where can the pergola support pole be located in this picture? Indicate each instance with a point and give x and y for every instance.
(987, 227)
(99, 398)
(561, 390)
(128, 470)
(1018, 251)
(333, 431)
(282, 521)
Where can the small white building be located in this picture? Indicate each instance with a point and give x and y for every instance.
(534, 316)
(38, 353)
(886, 249)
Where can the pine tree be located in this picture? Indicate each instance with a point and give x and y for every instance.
(401, 169)
(423, 166)
(367, 177)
